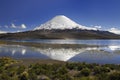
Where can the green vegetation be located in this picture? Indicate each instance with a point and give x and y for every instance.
(11, 69)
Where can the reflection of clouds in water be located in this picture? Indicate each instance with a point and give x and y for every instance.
(13, 52)
(13, 49)
(113, 48)
(23, 51)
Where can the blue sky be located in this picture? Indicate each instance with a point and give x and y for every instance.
(21, 15)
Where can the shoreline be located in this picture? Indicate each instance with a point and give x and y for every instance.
(46, 45)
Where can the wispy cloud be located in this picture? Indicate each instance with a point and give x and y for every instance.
(13, 26)
(22, 26)
(98, 27)
(114, 30)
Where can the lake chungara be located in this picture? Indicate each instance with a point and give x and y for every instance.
(97, 51)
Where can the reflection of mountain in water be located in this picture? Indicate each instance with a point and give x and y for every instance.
(108, 53)
(70, 53)
(60, 54)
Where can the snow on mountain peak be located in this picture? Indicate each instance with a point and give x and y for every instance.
(62, 22)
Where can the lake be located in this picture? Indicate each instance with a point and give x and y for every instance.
(104, 51)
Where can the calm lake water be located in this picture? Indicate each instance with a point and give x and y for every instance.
(107, 52)
(67, 41)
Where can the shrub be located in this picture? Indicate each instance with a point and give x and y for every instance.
(114, 76)
(97, 70)
(72, 66)
(85, 72)
(24, 76)
(20, 69)
(63, 70)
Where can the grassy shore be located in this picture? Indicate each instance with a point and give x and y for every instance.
(25, 69)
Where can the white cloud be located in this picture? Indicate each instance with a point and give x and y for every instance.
(23, 51)
(13, 26)
(98, 27)
(23, 26)
(114, 30)
(18, 31)
(1, 32)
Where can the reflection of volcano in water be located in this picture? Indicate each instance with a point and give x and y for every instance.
(108, 54)
(60, 54)
(66, 54)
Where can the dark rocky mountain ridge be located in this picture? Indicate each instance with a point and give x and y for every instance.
(60, 34)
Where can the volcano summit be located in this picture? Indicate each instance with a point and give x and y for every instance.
(62, 22)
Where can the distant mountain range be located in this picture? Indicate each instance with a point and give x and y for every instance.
(61, 27)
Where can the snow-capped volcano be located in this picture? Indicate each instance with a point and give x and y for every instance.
(61, 27)
(62, 22)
